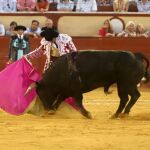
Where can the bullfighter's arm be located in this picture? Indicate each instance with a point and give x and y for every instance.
(40, 51)
(36, 53)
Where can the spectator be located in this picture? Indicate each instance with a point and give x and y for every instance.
(141, 31)
(11, 31)
(42, 5)
(34, 30)
(48, 24)
(53, 5)
(106, 30)
(75, 4)
(65, 5)
(19, 45)
(143, 6)
(26, 5)
(130, 30)
(121, 5)
(2, 29)
(8, 5)
(132, 6)
(86, 6)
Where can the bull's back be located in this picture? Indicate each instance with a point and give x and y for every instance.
(101, 63)
(102, 68)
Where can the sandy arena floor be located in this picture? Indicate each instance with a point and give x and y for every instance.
(68, 130)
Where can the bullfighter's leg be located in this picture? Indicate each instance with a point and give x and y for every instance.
(135, 94)
(123, 95)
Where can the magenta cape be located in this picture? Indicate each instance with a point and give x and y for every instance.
(14, 81)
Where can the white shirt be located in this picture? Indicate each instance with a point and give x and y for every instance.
(2, 30)
(68, 6)
(8, 5)
(1, 5)
(29, 30)
(143, 8)
(86, 6)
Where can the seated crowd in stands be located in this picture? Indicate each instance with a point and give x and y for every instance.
(78, 5)
(74, 5)
(106, 30)
(131, 30)
(33, 31)
(43, 5)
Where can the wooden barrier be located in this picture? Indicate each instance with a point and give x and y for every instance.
(84, 43)
(115, 43)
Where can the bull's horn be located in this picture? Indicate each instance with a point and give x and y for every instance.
(33, 85)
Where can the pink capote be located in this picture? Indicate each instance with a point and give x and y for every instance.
(14, 81)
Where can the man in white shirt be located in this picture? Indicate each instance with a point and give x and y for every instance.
(2, 29)
(65, 5)
(8, 5)
(143, 6)
(86, 6)
(34, 30)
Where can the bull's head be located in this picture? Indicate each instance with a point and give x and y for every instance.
(45, 95)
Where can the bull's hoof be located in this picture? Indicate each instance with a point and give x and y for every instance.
(114, 116)
(87, 115)
(124, 115)
(119, 116)
(45, 114)
(108, 92)
(51, 112)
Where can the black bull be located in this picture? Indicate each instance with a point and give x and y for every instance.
(79, 72)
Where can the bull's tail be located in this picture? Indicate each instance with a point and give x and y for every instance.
(143, 58)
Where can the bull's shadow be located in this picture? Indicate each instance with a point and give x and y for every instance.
(139, 117)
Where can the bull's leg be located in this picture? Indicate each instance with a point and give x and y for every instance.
(57, 102)
(134, 97)
(78, 102)
(55, 105)
(123, 101)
